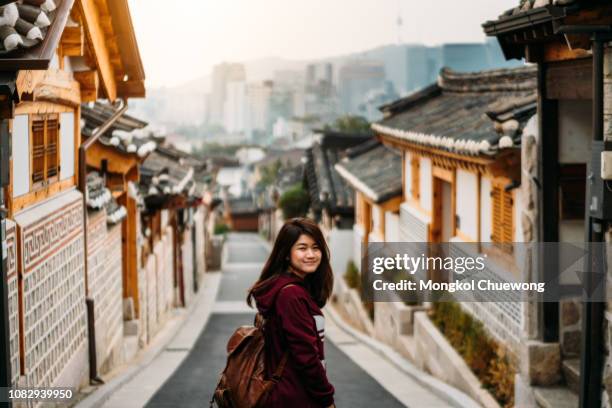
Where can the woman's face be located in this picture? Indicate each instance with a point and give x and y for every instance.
(305, 255)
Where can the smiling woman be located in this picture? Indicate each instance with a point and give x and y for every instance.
(295, 283)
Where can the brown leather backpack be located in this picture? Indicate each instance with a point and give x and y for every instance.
(243, 382)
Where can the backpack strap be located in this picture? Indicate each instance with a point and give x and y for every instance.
(281, 366)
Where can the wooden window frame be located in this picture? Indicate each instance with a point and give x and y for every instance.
(46, 180)
(35, 195)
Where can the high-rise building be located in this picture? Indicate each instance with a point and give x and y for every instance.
(259, 97)
(222, 75)
(357, 79)
(235, 107)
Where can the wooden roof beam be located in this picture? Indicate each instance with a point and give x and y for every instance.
(95, 35)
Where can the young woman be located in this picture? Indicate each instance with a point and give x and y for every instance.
(295, 283)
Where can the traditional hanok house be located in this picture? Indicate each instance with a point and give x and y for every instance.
(568, 345)
(169, 256)
(332, 202)
(460, 143)
(54, 55)
(113, 161)
(241, 214)
(375, 173)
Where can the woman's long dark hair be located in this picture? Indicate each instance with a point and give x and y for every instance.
(319, 283)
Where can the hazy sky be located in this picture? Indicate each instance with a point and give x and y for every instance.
(183, 39)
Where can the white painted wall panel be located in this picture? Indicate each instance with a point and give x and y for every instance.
(574, 131)
(425, 183)
(467, 206)
(485, 210)
(21, 156)
(518, 225)
(66, 145)
(391, 227)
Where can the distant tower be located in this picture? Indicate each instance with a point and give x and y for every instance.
(399, 22)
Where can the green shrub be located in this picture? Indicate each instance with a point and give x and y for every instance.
(486, 358)
(294, 202)
(352, 276)
(221, 228)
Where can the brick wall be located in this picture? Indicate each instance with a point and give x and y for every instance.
(50, 242)
(105, 283)
(13, 299)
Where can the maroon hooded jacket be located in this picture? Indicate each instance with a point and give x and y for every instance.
(294, 323)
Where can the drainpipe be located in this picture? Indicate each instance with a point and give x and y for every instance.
(91, 328)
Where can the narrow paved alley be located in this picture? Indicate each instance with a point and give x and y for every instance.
(357, 378)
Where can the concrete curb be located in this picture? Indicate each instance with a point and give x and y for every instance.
(444, 391)
(146, 356)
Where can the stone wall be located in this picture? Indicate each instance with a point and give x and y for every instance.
(54, 318)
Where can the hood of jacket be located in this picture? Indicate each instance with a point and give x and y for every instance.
(266, 296)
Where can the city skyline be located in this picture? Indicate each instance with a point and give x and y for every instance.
(317, 37)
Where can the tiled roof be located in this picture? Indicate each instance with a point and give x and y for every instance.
(24, 25)
(163, 175)
(373, 169)
(115, 213)
(526, 5)
(99, 197)
(466, 113)
(97, 193)
(128, 134)
(325, 186)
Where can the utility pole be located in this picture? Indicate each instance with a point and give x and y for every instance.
(5, 346)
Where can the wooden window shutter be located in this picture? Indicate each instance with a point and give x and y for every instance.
(508, 225)
(38, 150)
(503, 214)
(415, 167)
(52, 162)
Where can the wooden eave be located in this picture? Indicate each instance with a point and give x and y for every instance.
(533, 34)
(128, 49)
(505, 163)
(116, 162)
(40, 56)
(112, 47)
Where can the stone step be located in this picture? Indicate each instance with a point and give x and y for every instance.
(571, 373)
(555, 397)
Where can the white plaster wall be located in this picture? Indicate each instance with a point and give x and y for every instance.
(66, 145)
(575, 132)
(407, 175)
(518, 206)
(21, 156)
(340, 249)
(425, 183)
(376, 218)
(467, 206)
(485, 210)
(391, 227)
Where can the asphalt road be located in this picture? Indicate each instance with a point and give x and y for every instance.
(192, 384)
